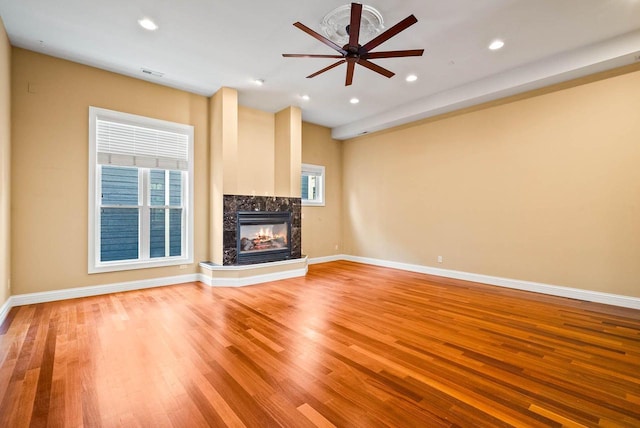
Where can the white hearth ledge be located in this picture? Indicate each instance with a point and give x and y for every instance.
(243, 275)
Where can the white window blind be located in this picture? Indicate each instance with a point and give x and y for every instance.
(123, 144)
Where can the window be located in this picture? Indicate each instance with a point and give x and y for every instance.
(312, 185)
(140, 192)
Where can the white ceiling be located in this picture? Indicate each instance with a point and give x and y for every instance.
(202, 45)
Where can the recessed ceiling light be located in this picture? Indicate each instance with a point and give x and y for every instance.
(496, 44)
(258, 82)
(148, 24)
(411, 78)
(305, 97)
(354, 101)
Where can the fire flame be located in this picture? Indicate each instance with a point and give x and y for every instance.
(268, 232)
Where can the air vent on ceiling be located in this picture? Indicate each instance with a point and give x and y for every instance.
(151, 72)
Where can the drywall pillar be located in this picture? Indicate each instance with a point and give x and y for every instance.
(223, 162)
(288, 152)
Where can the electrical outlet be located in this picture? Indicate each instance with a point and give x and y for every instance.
(8, 285)
(439, 259)
(182, 266)
(336, 247)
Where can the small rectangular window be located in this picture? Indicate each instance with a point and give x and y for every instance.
(312, 185)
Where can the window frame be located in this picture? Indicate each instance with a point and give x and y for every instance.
(94, 201)
(318, 171)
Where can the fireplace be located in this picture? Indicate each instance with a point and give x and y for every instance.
(263, 236)
(255, 209)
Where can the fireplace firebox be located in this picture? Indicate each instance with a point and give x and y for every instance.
(263, 236)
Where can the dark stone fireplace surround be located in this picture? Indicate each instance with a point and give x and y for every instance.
(232, 204)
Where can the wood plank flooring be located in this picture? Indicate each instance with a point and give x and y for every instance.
(349, 345)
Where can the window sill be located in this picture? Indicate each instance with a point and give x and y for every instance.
(122, 266)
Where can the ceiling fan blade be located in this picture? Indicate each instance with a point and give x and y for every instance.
(326, 68)
(319, 37)
(400, 26)
(394, 54)
(310, 56)
(354, 25)
(351, 65)
(376, 68)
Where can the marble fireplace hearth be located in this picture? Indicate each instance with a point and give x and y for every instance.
(233, 204)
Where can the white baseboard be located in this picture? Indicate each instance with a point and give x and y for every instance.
(554, 290)
(327, 259)
(5, 308)
(73, 293)
(95, 290)
(251, 280)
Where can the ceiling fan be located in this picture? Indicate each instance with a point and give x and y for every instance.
(353, 53)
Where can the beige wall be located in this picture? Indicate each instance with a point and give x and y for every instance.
(5, 164)
(256, 156)
(322, 226)
(262, 150)
(543, 189)
(50, 104)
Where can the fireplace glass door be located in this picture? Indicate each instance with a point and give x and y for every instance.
(263, 237)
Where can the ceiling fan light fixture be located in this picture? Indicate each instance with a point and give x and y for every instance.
(334, 24)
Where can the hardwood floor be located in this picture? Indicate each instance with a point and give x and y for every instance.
(349, 345)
